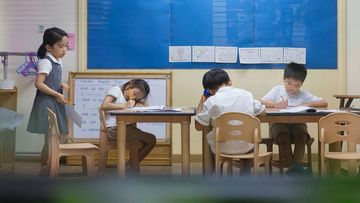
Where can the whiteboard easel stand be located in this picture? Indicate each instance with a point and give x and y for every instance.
(5, 59)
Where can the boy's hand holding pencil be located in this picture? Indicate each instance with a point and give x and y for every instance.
(283, 103)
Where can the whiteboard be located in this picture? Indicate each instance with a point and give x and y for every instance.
(87, 92)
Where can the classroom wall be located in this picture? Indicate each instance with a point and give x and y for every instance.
(18, 33)
(353, 48)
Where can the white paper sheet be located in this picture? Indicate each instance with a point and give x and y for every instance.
(73, 115)
(225, 54)
(154, 108)
(297, 55)
(203, 54)
(147, 108)
(179, 53)
(295, 109)
(272, 55)
(249, 55)
(9, 119)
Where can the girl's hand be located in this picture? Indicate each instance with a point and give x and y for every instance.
(64, 87)
(139, 104)
(61, 99)
(130, 103)
(282, 104)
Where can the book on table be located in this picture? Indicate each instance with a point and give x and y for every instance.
(153, 108)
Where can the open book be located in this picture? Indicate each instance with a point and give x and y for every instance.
(154, 108)
(297, 109)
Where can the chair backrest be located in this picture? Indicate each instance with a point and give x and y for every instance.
(103, 133)
(53, 131)
(237, 126)
(102, 120)
(341, 126)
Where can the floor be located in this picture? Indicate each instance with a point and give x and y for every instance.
(164, 184)
(32, 169)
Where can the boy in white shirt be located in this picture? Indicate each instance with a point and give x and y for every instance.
(223, 98)
(290, 94)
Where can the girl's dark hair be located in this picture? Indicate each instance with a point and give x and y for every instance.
(141, 84)
(214, 78)
(51, 36)
(295, 71)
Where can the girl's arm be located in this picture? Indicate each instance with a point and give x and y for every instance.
(108, 104)
(319, 104)
(40, 85)
(64, 87)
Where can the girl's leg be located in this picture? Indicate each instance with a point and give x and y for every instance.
(149, 140)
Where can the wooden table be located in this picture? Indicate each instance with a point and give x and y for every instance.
(183, 117)
(271, 116)
(349, 99)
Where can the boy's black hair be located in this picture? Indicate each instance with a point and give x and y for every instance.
(295, 71)
(141, 84)
(51, 36)
(214, 78)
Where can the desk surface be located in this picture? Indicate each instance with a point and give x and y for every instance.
(185, 112)
(338, 96)
(276, 112)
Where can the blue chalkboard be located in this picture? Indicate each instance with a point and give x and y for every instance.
(137, 33)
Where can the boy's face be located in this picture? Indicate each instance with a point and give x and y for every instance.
(292, 86)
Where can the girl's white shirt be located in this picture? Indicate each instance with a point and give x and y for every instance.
(45, 64)
(116, 92)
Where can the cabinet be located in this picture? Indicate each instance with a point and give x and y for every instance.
(8, 99)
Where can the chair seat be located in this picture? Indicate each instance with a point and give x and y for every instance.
(245, 156)
(342, 155)
(78, 146)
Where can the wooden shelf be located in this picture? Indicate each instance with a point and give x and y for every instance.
(8, 99)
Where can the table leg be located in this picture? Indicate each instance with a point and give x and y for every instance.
(121, 147)
(342, 103)
(207, 160)
(185, 147)
(348, 103)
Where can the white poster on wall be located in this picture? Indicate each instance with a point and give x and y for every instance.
(225, 54)
(297, 55)
(203, 54)
(249, 55)
(179, 54)
(272, 55)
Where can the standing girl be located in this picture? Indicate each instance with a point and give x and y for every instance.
(49, 93)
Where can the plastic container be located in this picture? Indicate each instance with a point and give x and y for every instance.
(7, 84)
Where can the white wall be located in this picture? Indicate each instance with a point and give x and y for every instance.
(353, 47)
(18, 20)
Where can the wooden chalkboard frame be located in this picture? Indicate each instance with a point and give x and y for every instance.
(72, 76)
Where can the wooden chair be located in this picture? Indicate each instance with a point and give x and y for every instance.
(279, 163)
(105, 146)
(340, 127)
(239, 126)
(57, 150)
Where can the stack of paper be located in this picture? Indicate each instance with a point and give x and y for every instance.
(154, 108)
(295, 109)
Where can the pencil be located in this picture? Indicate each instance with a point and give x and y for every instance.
(282, 97)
